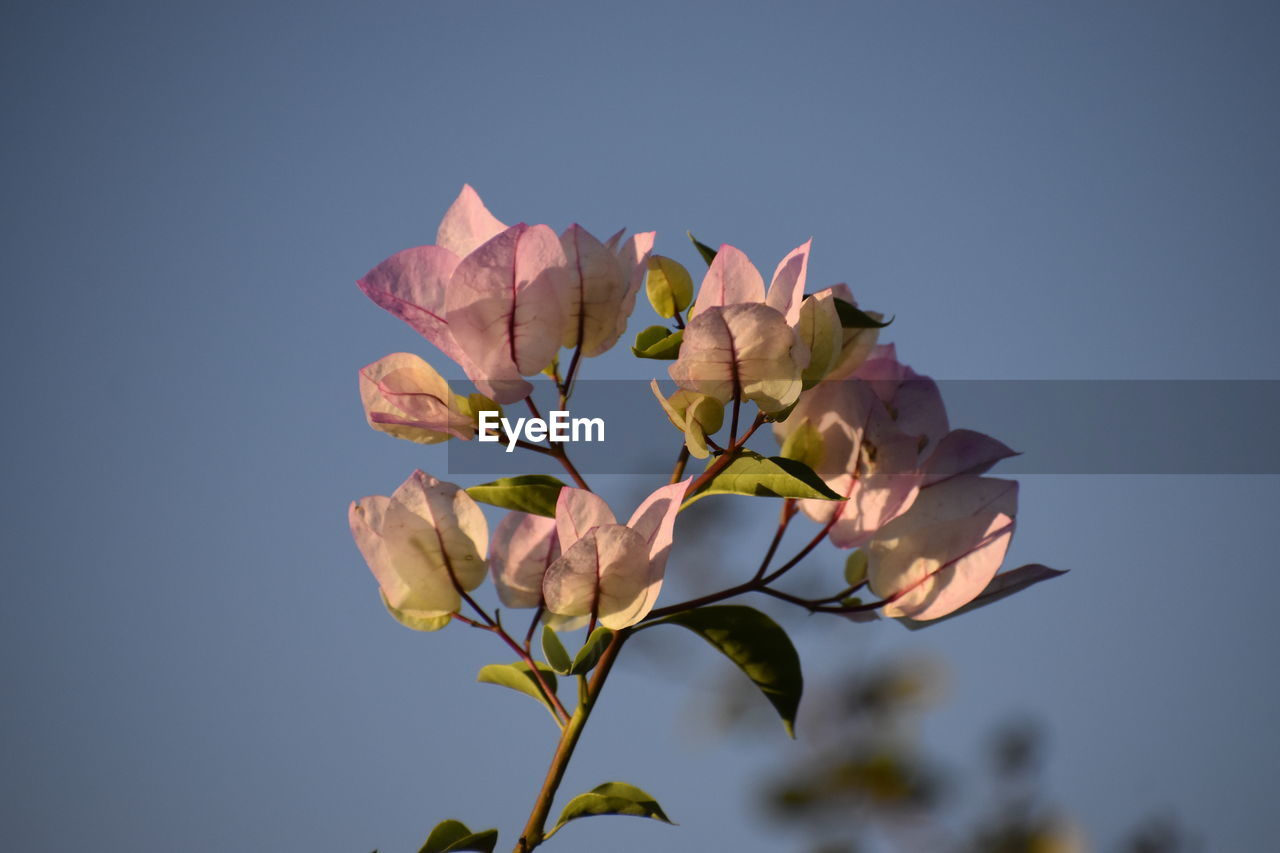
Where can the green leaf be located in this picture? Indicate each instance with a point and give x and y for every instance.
(668, 285)
(453, 836)
(612, 798)
(658, 342)
(591, 651)
(852, 317)
(519, 677)
(554, 651)
(417, 623)
(757, 645)
(804, 445)
(1002, 586)
(855, 568)
(708, 253)
(531, 493)
(770, 477)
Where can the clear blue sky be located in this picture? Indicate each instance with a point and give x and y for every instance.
(192, 653)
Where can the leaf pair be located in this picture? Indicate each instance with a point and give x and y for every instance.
(586, 658)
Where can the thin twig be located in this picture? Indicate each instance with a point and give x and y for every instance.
(681, 461)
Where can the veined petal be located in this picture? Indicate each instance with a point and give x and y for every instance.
(405, 397)
(422, 543)
(605, 572)
(467, 224)
(594, 290)
(368, 518)
(865, 458)
(577, 512)
(943, 552)
(461, 532)
(523, 547)
(634, 258)
(503, 308)
(786, 291)
(740, 349)
(412, 285)
(730, 279)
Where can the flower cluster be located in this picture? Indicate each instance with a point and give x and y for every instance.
(866, 449)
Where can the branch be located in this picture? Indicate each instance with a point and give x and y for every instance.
(533, 830)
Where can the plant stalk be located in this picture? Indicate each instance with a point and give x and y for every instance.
(536, 825)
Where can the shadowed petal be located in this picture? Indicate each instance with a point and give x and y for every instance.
(914, 400)
(606, 571)
(634, 258)
(523, 547)
(963, 451)
(503, 309)
(594, 291)
(577, 511)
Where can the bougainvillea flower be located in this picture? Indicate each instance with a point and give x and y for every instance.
(423, 543)
(599, 291)
(864, 457)
(913, 400)
(503, 308)
(609, 570)
(405, 397)
(413, 284)
(941, 553)
(523, 547)
(732, 279)
(740, 351)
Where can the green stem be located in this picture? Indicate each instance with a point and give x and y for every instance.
(722, 461)
(534, 829)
